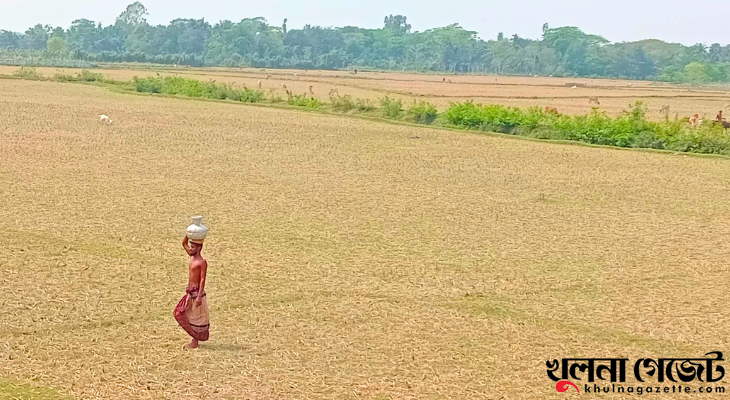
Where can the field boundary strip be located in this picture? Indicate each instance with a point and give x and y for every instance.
(126, 87)
(373, 118)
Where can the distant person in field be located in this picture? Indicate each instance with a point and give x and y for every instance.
(720, 118)
(192, 310)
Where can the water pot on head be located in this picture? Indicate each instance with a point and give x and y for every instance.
(197, 232)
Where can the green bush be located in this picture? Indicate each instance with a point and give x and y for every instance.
(364, 105)
(630, 129)
(250, 95)
(492, 117)
(709, 138)
(27, 73)
(184, 86)
(88, 76)
(147, 85)
(347, 103)
(391, 107)
(423, 113)
(343, 103)
(64, 78)
(467, 115)
(194, 88)
(303, 101)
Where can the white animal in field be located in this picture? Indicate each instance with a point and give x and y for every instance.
(105, 118)
(593, 99)
(574, 87)
(259, 83)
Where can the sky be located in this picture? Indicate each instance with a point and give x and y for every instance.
(616, 20)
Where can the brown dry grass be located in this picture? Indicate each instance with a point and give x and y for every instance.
(614, 95)
(349, 259)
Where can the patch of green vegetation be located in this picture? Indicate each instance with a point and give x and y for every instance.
(194, 88)
(630, 129)
(487, 306)
(27, 73)
(15, 391)
(348, 103)
(392, 108)
(88, 76)
(494, 307)
(343, 103)
(423, 113)
(303, 101)
(64, 78)
(364, 105)
(84, 76)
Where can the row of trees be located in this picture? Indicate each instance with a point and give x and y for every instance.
(564, 51)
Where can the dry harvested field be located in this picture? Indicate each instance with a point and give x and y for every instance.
(348, 259)
(614, 95)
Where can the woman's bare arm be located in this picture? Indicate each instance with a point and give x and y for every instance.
(185, 245)
(203, 273)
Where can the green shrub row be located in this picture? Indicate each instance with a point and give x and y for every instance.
(630, 129)
(84, 76)
(392, 108)
(27, 73)
(423, 113)
(301, 100)
(194, 88)
(347, 103)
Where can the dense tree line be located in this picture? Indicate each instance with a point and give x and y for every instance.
(564, 51)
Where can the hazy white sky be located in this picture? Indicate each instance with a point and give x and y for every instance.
(705, 21)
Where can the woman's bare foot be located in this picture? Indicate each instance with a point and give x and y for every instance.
(192, 345)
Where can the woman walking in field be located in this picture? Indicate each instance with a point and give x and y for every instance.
(192, 310)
